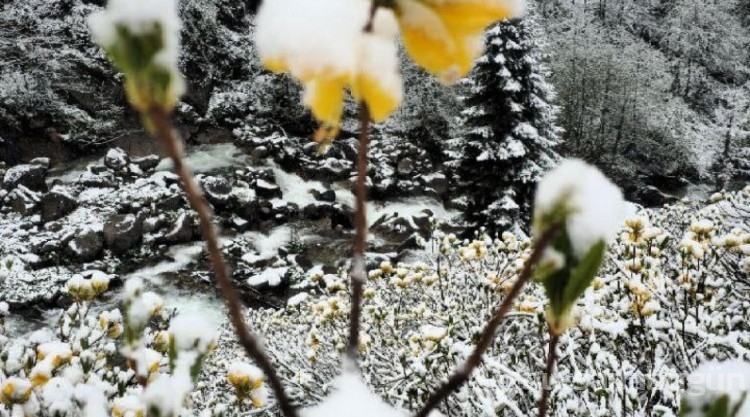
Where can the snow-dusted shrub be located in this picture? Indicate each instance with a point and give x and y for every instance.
(670, 296)
(139, 361)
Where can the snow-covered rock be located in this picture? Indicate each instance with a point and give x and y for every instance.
(29, 176)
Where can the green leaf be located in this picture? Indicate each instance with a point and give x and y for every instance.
(583, 273)
(719, 408)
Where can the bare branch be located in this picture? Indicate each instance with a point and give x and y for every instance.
(546, 387)
(358, 273)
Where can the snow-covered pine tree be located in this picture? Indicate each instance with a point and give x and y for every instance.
(510, 130)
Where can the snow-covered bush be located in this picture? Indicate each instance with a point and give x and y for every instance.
(139, 361)
(670, 296)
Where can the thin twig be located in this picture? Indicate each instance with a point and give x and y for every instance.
(173, 145)
(546, 386)
(463, 372)
(358, 273)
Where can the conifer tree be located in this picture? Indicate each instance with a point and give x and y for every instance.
(510, 130)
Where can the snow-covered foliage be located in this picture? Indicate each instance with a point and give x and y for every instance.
(669, 297)
(104, 362)
(641, 84)
(509, 128)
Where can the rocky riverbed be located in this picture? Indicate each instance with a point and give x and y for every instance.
(284, 212)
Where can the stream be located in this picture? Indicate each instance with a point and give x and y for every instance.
(182, 280)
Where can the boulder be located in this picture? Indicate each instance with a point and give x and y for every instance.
(422, 220)
(181, 231)
(29, 176)
(41, 161)
(171, 203)
(85, 246)
(651, 196)
(122, 232)
(55, 205)
(261, 152)
(102, 180)
(147, 163)
(218, 190)
(116, 159)
(405, 167)
(316, 211)
(327, 196)
(342, 216)
(436, 181)
(267, 189)
(21, 200)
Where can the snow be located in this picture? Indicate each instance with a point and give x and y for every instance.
(267, 246)
(352, 398)
(297, 40)
(192, 331)
(269, 276)
(597, 209)
(297, 299)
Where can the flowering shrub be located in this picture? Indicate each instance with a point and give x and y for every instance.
(104, 362)
(670, 296)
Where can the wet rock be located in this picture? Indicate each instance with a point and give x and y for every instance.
(21, 200)
(218, 190)
(342, 216)
(652, 197)
(239, 224)
(97, 169)
(42, 162)
(55, 205)
(415, 241)
(171, 203)
(122, 232)
(405, 167)
(181, 231)
(260, 152)
(422, 220)
(165, 178)
(147, 163)
(316, 211)
(267, 189)
(86, 246)
(327, 195)
(437, 182)
(29, 176)
(103, 180)
(391, 223)
(116, 159)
